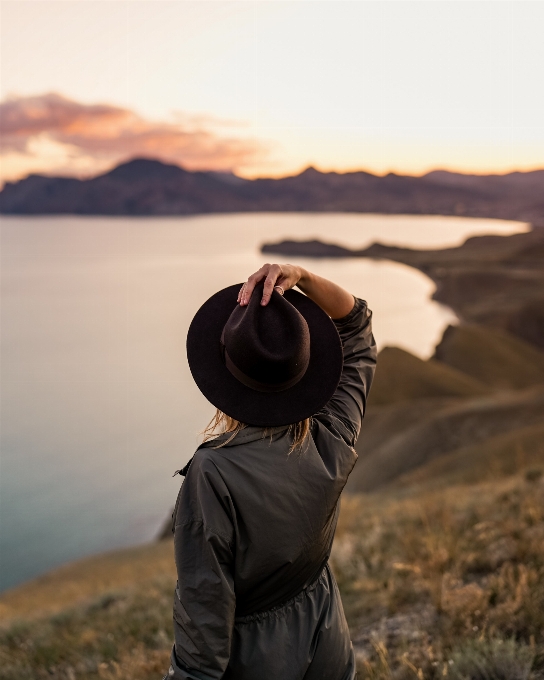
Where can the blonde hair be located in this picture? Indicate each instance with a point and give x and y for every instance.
(222, 423)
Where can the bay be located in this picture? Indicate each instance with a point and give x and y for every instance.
(98, 405)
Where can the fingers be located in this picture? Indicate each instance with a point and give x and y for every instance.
(273, 274)
(244, 295)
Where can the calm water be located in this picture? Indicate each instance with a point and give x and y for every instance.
(98, 406)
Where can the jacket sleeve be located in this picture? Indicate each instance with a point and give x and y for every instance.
(345, 410)
(204, 600)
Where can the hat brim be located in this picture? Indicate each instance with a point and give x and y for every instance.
(250, 406)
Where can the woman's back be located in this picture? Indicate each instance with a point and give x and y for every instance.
(277, 510)
(254, 525)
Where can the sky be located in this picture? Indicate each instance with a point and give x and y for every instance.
(269, 88)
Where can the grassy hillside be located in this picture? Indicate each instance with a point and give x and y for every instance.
(446, 583)
(108, 616)
(441, 430)
(80, 582)
(482, 385)
(436, 584)
(401, 376)
(492, 356)
(496, 457)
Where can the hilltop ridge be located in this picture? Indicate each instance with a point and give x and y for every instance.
(145, 186)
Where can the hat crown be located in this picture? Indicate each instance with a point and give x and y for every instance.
(239, 399)
(267, 347)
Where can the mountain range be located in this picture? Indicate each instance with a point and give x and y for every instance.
(149, 187)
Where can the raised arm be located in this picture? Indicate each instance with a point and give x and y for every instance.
(344, 412)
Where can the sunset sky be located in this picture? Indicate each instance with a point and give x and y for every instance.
(268, 88)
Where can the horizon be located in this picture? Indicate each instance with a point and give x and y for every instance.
(295, 174)
(267, 89)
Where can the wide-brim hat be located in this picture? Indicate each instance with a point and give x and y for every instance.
(206, 357)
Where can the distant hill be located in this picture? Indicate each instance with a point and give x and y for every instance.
(495, 281)
(401, 376)
(502, 455)
(437, 429)
(492, 356)
(149, 187)
(476, 409)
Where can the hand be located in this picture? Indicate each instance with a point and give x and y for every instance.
(279, 276)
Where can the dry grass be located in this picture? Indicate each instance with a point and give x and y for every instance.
(124, 634)
(80, 581)
(446, 583)
(433, 583)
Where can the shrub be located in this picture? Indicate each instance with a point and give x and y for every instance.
(494, 659)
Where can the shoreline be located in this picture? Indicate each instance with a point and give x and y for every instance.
(497, 281)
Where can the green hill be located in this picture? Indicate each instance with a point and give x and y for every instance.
(469, 394)
(383, 422)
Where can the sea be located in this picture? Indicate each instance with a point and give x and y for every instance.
(98, 407)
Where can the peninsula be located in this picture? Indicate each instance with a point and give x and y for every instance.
(497, 281)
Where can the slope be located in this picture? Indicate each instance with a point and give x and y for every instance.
(492, 356)
(401, 376)
(499, 456)
(441, 431)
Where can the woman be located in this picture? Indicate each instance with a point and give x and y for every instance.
(256, 515)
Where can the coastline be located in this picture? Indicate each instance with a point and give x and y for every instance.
(497, 281)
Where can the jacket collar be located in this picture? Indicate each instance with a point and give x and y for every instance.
(248, 434)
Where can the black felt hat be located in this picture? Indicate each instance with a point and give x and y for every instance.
(266, 366)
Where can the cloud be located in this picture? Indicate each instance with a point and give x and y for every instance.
(51, 133)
